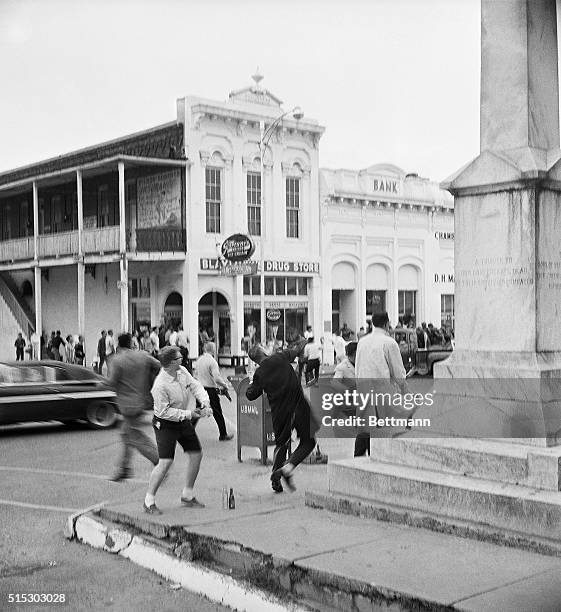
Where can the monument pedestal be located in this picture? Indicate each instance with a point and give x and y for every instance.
(507, 493)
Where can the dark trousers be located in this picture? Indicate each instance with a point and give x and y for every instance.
(216, 410)
(306, 442)
(19, 354)
(301, 365)
(312, 369)
(100, 363)
(362, 444)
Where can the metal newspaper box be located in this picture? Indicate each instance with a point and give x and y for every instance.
(255, 427)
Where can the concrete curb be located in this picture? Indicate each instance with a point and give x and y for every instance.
(166, 561)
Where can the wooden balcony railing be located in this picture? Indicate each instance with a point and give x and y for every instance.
(95, 241)
(19, 248)
(101, 240)
(61, 243)
(160, 239)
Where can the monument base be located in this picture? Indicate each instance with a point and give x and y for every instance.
(508, 493)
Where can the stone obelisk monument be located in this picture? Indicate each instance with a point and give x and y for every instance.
(508, 310)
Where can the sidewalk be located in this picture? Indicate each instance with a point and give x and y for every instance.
(326, 561)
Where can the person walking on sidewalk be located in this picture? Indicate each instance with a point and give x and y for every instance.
(290, 410)
(174, 393)
(101, 352)
(132, 374)
(109, 349)
(378, 360)
(312, 357)
(20, 346)
(208, 374)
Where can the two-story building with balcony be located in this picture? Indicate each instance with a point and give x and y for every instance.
(127, 233)
(388, 245)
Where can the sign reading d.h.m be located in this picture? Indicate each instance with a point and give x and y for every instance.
(237, 247)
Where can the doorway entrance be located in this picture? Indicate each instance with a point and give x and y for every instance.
(214, 322)
(173, 310)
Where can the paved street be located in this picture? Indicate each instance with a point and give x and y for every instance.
(47, 471)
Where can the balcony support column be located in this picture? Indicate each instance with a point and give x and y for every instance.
(122, 225)
(81, 298)
(37, 293)
(35, 221)
(80, 201)
(123, 285)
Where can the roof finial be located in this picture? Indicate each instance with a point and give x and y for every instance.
(257, 78)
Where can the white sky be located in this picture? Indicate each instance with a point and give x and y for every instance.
(391, 80)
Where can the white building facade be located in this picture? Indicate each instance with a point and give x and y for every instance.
(387, 245)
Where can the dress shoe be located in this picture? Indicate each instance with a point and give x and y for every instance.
(226, 437)
(276, 485)
(191, 503)
(152, 509)
(120, 476)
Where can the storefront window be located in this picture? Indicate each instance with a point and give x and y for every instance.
(447, 318)
(375, 302)
(291, 286)
(280, 285)
(252, 327)
(140, 288)
(269, 285)
(407, 301)
(302, 286)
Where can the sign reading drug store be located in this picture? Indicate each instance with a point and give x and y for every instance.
(237, 247)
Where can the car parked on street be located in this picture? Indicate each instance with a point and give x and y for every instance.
(416, 360)
(55, 391)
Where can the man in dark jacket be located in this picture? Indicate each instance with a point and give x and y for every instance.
(290, 410)
(132, 375)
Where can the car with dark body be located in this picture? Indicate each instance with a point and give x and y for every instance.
(416, 360)
(55, 391)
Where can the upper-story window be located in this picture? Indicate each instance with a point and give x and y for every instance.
(254, 203)
(292, 207)
(213, 179)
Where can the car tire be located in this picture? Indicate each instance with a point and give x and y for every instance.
(101, 415)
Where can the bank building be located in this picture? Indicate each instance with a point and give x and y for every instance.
(139, 231)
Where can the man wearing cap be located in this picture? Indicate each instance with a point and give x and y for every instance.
(175, 392)
(290, 410)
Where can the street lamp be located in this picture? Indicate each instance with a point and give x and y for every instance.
(265, 135)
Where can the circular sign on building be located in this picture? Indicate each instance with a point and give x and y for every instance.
(237, 247)
(273, 315)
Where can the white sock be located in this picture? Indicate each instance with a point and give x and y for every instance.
(187, 493)
(149, 500)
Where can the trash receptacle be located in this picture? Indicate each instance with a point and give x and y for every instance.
(255, 427)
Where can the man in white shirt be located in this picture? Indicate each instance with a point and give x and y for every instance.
(339, 346)
(377, 358)
(312, 356)
(308, 333)
(155, 340)
(173, 337)
(175, 392)
(208, 374)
